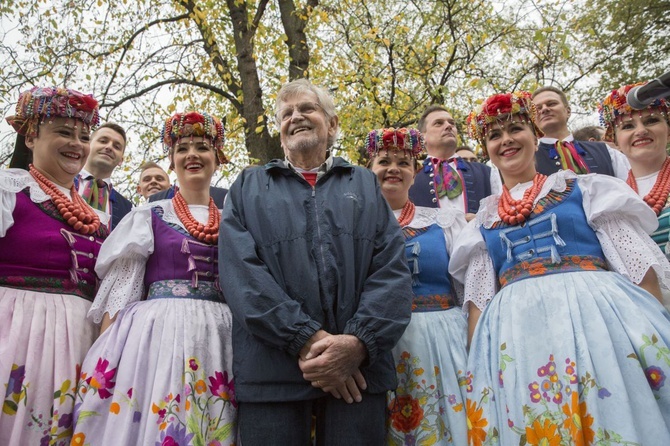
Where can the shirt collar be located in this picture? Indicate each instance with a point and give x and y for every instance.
(552, 141)
(85, 173)
(325, 167)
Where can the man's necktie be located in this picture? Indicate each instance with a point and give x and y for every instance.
(570, 157)
(96, 193)
(447, 180)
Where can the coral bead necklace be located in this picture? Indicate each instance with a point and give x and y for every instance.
(75, 212)
(407, 214)
(514, 212)
(658, 194)
(208, 233)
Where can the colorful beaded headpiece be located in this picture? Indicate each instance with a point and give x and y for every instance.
(52, 102)
(409, 140)
(498, 107)
(193, 124)
(615, 106)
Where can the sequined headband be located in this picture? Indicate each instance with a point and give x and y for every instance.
(495, 107)
(194, 124)
(615, 105)
(409, 140)
(52, 102)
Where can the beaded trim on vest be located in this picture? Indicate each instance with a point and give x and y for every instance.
(545, 266)
(51, 285)
(182, 289)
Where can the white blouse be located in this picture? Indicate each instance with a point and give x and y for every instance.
(620, 219)
(123, 256)
(13, 181)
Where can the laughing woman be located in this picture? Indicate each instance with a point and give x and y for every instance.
(642, 135)
(49, 241)
(161, 371)
(427, 406)
(562, 285)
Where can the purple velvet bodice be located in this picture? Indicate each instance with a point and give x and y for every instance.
(42, 252)
(179, 256)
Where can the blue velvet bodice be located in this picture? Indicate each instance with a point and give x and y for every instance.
(429, 263)
(556, 238)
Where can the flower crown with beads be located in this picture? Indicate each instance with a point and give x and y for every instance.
(194, 124)
(409, 140)
(52, 102)
(493, 108)
(615, 106)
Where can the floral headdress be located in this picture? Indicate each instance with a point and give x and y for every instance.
(409, 140)
(41, 103)
(615, 106)
(194, 124)
(517, 105)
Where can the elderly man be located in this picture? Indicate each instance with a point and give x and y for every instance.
(312, 265)
(558, 148)
(445, 180)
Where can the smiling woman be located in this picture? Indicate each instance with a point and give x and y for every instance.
(552, 267)
(431, 412)
(643, 135)
(49, 241)
(159, 272)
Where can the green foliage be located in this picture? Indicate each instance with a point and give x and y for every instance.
(384, 61)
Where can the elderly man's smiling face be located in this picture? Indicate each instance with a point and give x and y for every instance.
(304, 125)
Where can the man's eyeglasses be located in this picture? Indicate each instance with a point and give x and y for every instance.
(303, 108)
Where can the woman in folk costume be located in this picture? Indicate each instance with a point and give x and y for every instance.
(427, 407)
(642, 135)
(49, 242)
(161, 372)
(563, 286)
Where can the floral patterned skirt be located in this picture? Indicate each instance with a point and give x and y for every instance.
(570, 359)
(160, 374)
(430, 358)
(43, 340)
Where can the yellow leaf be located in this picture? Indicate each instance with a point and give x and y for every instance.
(259, 129)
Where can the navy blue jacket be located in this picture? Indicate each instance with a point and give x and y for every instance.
(120, 207)
(595, 155)
(476, 184)
(295, 259)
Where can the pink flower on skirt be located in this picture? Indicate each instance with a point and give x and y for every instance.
(101, 378)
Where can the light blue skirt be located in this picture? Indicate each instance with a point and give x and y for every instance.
(572, 358)
(428, 406)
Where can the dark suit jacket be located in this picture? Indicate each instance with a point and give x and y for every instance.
(476, 185)
(120, 204)
(595, 154)
(217, 193)
(120, 207)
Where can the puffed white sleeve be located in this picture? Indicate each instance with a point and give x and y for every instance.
(452, 221)
(471, 265)
(623, 222)
(122, 262)
(7, 205)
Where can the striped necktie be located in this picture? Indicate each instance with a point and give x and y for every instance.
(95, 193)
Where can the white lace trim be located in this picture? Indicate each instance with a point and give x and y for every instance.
(488, 208)
(423, 217)
(480, 280)
(123, 284)
(629, 251)
(15, 180)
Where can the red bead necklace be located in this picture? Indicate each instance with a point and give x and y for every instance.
(76, 212)
(407, 214)
(658, 195)
(514, 212)
(208, 233)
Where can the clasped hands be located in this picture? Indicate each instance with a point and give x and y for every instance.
(331, 363)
